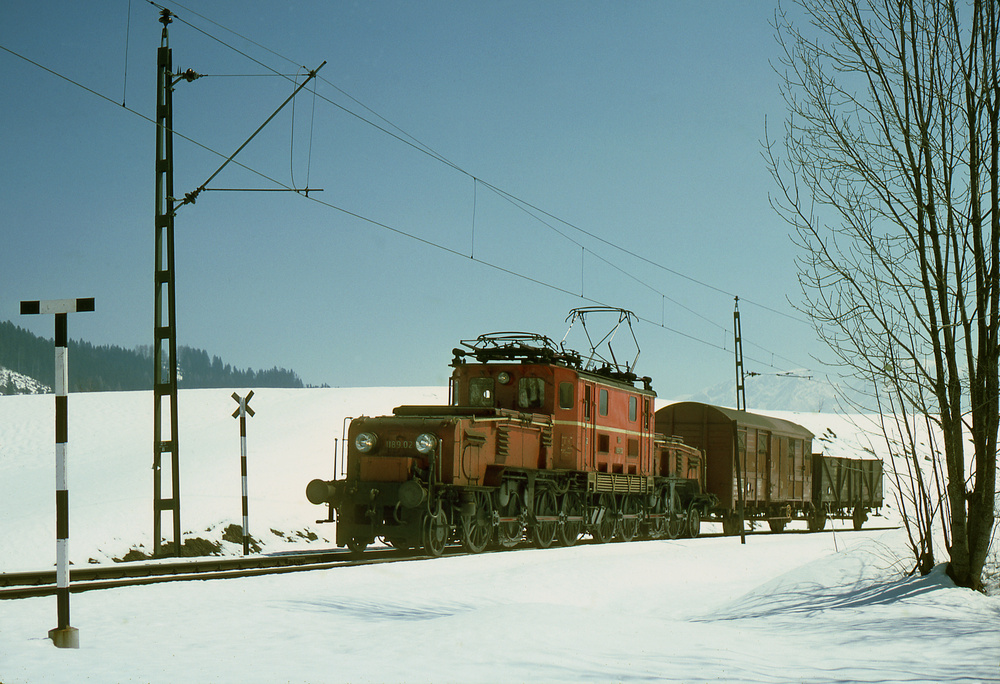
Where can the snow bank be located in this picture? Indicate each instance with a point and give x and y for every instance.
(826, 607)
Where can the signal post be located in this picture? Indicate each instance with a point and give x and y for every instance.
(63, 636)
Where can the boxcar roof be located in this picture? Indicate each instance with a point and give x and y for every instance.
(742, 418)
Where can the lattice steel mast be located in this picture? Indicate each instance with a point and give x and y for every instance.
(165, 316)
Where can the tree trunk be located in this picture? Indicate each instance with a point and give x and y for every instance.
(891, 183)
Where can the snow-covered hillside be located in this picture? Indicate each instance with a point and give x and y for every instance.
(12, 382)
(825, 607)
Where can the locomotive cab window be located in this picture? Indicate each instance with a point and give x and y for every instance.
(531, 393)
(480, 391)
(566, 392)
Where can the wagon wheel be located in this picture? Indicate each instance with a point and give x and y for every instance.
(817, 521)
(511, 527)
(676, 519)
(435, 533)
(357, 545)
(859, 518)
(731, 524)
(631, 519)
(477, 529)
(543, 532)
(572, 514)
(604, 529)
(693, 522)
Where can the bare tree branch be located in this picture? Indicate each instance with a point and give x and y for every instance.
(887, 171)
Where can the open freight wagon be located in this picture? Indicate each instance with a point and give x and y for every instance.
(762, 469)
(845, 488)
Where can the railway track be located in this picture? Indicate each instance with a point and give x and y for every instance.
(15, 585)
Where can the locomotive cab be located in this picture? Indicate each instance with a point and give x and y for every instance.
(599, 419)
(513, 387)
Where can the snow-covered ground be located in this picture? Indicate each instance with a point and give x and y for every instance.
(827, 607)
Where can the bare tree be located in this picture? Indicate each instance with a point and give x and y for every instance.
(888, 171)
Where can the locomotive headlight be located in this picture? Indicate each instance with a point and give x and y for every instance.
(365, 442)
(425, 443)
(503, 377)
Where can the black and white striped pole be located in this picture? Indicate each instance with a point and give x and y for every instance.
(241, 413)
(63, 635)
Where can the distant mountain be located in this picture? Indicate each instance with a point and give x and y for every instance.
(785, 392)
(27, 366)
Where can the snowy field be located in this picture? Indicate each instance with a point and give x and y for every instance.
(826, 607)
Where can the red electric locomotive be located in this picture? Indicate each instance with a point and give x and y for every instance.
(535, 443)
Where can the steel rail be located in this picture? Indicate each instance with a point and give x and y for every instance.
(15, 585)
(29, 584)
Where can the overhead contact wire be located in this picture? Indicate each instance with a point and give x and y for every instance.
(426, 149)
(417, 145)
(420, 146)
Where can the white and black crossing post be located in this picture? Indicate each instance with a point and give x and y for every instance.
(241, 413)
(63, 635)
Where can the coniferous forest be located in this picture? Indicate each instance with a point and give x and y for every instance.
(111, 368)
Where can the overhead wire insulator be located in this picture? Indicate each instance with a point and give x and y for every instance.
(188, 75)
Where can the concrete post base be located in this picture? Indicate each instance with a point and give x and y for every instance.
(67, 637)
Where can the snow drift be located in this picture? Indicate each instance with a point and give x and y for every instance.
(827, 607)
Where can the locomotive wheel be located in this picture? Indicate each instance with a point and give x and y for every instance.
(676, 524)
(436, 530)
(477, 529)
(859, 518)
(543, 532)
(400, 545)
(604, 530)
(631, 519)
(657, 525)
(676, 519)
(569, 531)
(511, 527)
(693, 522)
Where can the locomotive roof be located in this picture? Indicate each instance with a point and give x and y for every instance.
(531, 348)
(743, 418)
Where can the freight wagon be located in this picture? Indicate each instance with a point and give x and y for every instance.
(845, 488)
(762, 469)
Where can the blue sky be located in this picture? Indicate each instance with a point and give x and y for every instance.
(639, 124)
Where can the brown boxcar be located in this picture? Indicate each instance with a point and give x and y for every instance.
(770, 462)
(775, 470)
